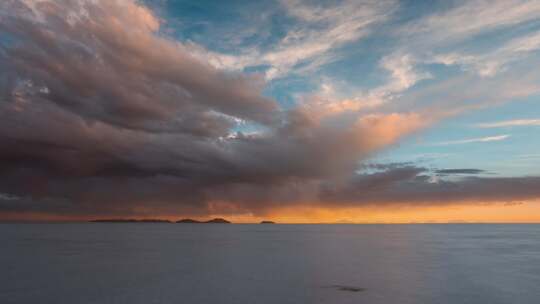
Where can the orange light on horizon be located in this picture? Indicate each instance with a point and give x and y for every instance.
(527, 212)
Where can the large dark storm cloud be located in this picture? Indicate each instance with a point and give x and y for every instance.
(100, 114)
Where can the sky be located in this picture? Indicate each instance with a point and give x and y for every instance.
(297, 111)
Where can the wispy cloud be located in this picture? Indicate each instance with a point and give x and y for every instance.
(323, 29)
(474, 17)
(510, 123)
(403, 73)
(472, 140)
(8, 197)
(537, 155)
(312, 42)
(459, 171)
(491, 62)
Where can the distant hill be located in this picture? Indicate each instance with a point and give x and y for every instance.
(267, 222)
(218, 221)
(213, 221)
(129, 221)
(188, 221)
(154, 221)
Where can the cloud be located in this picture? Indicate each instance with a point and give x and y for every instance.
(101, 113)
(528, 156)
(470, 18)
(54, 43)
(403, 72)
(453, 37)
(322, 29)
(473, 140)
(447, 38)
(491, 62)
(311, 42)
(413, 185)
(8, 197)
(402, 75)
(510, 123)
(459, 171)
(430, 37)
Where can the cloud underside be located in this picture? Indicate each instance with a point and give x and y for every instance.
(168, 195)
(102, 114)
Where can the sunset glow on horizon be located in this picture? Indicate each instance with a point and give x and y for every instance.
(525, 212)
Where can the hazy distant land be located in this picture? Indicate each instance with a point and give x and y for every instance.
(182, 221)
(213, 221)
(130, 221)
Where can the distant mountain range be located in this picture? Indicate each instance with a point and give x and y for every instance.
(213, 221)
(183, 221)
(130, 221)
